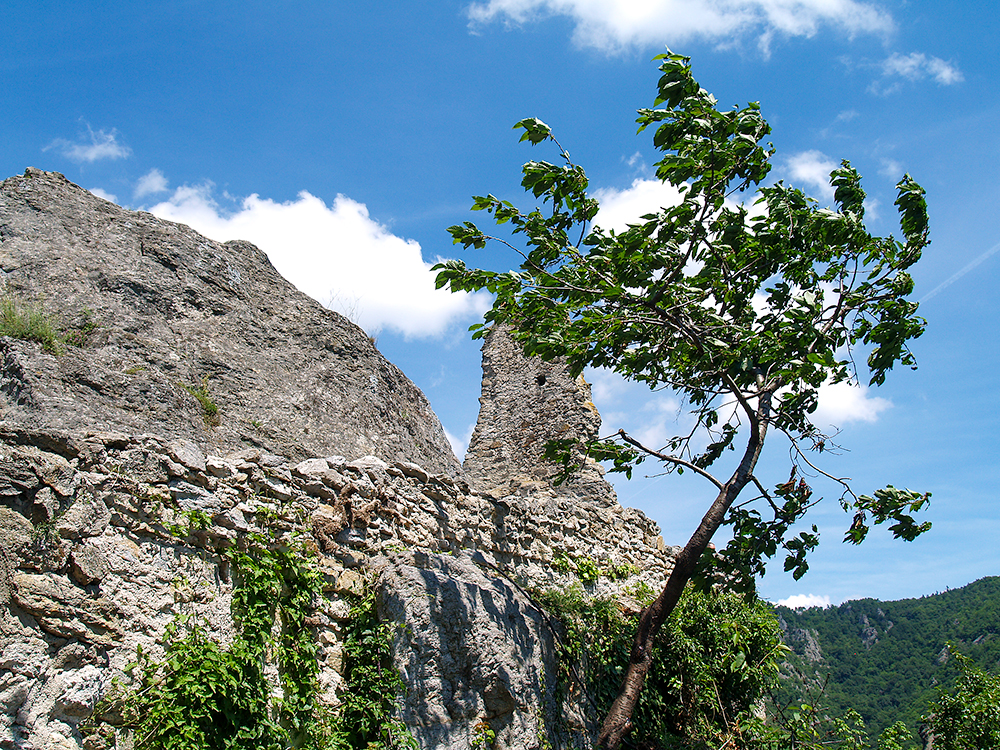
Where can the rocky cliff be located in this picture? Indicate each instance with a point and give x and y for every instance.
(124, 498)
(164, 310)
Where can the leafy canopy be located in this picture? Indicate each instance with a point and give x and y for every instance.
(743, 298)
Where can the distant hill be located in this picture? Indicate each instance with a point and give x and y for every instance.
(885, 659)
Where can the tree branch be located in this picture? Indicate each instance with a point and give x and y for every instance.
(671, 459)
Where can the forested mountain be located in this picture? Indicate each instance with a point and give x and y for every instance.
(885, 659)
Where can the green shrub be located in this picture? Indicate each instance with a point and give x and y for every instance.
(713, 663)
(28, 323)
(967, 717)
(202, 696)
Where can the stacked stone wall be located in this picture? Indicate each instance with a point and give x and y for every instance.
(100, 555)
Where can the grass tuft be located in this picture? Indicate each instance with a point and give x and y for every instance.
(209, 409)
(30, 324)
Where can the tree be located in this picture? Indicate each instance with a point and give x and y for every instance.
(744, 311)
(968, 716)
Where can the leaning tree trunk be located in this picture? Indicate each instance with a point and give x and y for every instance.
(618, 722)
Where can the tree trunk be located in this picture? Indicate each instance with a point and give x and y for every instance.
(618, 722)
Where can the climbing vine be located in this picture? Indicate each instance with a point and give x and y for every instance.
(367, 717)
(202, 696)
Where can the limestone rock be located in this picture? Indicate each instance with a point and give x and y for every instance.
(120, 502)
(161, 311)
(472, 649)
(525, 403)
(65, 610)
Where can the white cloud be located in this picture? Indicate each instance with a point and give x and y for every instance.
(649, 417)
(804, 601)
(104, 194)
(915, 66)
(813, 169)
(890, 168)
(611, 25)
(151, 183)
(843, 403)
(619, 208)
(336, 254)
(91, 147)
(460, 444)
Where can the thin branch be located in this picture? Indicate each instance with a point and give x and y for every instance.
(671, 459)
(842, 481)
(738, 394)
(764, 493)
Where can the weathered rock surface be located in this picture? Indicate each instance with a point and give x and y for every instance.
(161, 307)
(526, 403)
(119, 505)
(475, 652)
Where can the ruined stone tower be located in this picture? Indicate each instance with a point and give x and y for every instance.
(525, 403)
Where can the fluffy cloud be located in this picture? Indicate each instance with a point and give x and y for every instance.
(843, 403)
(915, 66)
(619, 208)
(151, 183)
(650, 417)
(804, 601)
(611, 25)
(460, 443)
(336, 254)
(104, 194)
(812, 169)
(91, 147)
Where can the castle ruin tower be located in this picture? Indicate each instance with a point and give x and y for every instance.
(525, 403)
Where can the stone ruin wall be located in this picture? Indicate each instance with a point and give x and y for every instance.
(97, 557)
(91, 570)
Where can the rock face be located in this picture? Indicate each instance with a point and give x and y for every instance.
(525, 403)
(120, 504)
(169, 308)
(477, 652)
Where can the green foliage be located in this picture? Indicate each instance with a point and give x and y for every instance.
(281, 578)
(889, 504)
(589, 570)
(483, 736)
(805, 727)
(883, 659)
(194, 520)
(209, 409)
(968, 716)
(367, 718)
(24, 322)
(201, 696)
(713, 662)
(81, 334)
(744, 295)
(895, 737)
(205, 697)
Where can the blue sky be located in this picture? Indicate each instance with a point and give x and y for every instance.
(344, 137)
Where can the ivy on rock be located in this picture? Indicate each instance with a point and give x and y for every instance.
(202, 696)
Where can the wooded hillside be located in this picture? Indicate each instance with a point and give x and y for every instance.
(885, 659)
